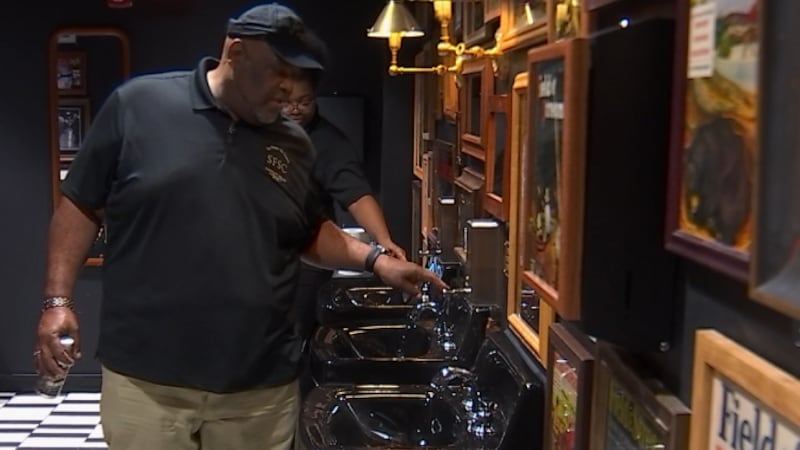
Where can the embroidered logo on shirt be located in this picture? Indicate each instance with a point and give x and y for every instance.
(276, 163)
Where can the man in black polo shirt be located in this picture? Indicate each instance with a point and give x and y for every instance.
(207, 195)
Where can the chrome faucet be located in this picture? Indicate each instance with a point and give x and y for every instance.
(444, 382)
(455, 382)
(481, 421)
(425, 305)
(444, 329)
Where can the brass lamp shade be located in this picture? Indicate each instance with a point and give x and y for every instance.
(395, 19)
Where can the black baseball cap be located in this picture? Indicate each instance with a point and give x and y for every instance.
(283, 29)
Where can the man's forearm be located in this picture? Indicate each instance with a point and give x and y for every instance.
(71, 234)
(335, 249)
(368, 214)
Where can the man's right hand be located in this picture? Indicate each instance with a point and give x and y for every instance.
(49, 357)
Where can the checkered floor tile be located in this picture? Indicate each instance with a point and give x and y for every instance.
(28, 421)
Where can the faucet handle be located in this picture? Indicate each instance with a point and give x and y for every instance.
(488, 407)
(425, 290)
(464, 290)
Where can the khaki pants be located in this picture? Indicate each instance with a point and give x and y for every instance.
(137, 415)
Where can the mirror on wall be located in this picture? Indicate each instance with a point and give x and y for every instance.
(86, 64)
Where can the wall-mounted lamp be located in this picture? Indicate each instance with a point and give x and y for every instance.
(395, 22)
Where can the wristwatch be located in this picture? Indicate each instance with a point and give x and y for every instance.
(377, 251)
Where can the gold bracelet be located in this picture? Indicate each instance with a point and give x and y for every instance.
(57, 302)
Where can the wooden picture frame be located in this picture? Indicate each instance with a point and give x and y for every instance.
(60, 58)
(479, 29)
(524, 24)
(566, 19)
(477, 77)
(449, 85)
(633, 410)
(492, 10)
(734, 387)
(498, 156)
(74, 117)
(527, 314)
(553, 174)
(568, 398)
(774, 274)
(457, 21)
(714, 137)
(70, 73)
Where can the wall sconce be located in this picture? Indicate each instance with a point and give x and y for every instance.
(396, 22)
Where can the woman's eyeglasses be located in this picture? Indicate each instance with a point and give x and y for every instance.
(301, 105)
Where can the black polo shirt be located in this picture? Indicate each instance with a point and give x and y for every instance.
(337, 168)
(206, 219)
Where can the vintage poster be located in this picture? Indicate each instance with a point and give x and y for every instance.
(564, 404)
(547, 120)
(628, 428)
(720, 129)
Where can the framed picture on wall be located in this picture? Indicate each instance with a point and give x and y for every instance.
(570, 377)
(528, 315)
(631, 410)
(71, 73)
(73, 122)
(497, 156)
(524, 23)
(566, 19)
(740, 400)
(477, 77)
(553, 172)
(492, 10)
(715, 134)
(478, 27)
(775, 261)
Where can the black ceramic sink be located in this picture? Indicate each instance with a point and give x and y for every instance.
(361, 302)
(435, 415)
(382, 341)
(382, 417)
(397, 353)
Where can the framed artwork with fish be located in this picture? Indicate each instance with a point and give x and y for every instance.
(775, 265)
(715, 135)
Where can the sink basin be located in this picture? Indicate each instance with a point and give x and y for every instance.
(362, 302)
(433, 415)
(396, 353)
(381, 341)
(381, 417)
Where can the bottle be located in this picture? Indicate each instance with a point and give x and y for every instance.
(47, 386)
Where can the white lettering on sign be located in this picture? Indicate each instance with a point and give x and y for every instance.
(740, 423)
(547, 85)
(702, 39)
(554, 110)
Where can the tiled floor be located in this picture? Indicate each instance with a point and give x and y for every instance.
(28, 421)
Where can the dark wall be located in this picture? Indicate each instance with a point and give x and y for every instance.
(164, 35)
(707, 299)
